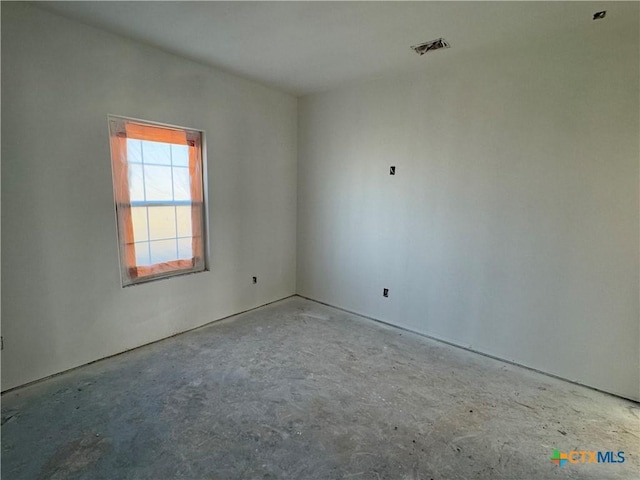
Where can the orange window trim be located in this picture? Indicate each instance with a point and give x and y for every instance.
(121, 194)
(155, 134)
(123, 204)
(160, 268)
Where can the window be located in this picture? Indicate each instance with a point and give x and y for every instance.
(157, 185)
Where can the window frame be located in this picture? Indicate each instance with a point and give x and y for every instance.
(131, 273)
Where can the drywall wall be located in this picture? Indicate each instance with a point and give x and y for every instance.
(62, 301)
(511, 225)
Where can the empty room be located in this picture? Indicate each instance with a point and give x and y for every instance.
(320, 240)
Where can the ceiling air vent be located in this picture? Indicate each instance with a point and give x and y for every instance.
(430, 46)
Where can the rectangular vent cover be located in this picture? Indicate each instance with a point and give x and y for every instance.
(423, 48)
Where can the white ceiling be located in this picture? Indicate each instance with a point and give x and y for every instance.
(303, 47)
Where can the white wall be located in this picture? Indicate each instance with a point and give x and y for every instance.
(511, 227)
(62, 301)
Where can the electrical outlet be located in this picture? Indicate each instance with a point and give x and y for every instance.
(392, 170)
(385, 292)
(255, 279)
(1, 343)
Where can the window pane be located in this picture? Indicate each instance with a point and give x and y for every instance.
(136, 184)
(156, 152)
(180, 155)
(142, 254)
(185, 250)
(139, 219)
(162, 223)
(134, 152)
(157, 182)
(163, 251)
(181, 184)
(157, 222)
(183, 221)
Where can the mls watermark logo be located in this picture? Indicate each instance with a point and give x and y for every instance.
(586, 456)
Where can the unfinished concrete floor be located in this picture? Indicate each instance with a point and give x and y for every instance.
(303, 391)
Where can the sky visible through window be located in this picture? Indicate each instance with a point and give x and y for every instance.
(160, 201)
